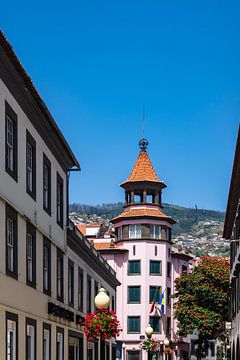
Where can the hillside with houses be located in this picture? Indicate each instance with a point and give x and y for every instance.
(199, 230)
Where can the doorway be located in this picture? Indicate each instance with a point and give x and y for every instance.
(133, 355)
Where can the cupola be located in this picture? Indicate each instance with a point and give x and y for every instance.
(143, 185)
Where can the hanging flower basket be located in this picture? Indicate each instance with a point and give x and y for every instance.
(101, 324)
(150, 345)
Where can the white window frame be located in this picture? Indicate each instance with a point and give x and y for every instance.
(29, 167)
(46, 344)
(59, 208)
(31, 335)
(59, 276)
(76, 346)
(11, 340)
(10, 244)
(135, 231)
(46, 185)
(120, 232)
(10, 143)
(59, 346)
(46, 268)
(29, 255)
(155, 231)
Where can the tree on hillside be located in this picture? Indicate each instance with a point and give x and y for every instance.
(203, 301)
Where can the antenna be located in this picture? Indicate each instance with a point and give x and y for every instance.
(143, 119)
(143, 143)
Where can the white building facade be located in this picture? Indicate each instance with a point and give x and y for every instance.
(49, 275)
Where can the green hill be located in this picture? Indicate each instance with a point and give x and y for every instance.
(187, 217)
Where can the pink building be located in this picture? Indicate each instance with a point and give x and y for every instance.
(143, 259)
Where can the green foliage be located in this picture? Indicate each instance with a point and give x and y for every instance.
(203, 298)
(150, 345)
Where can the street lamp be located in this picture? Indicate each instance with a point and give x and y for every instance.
(123, 349)
(166, 344)
(102, 301)
(149, 331)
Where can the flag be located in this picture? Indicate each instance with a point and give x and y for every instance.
(161, 303)
(152, 307)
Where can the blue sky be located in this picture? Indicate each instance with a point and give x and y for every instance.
(96, 62)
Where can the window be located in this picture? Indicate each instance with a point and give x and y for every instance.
(134, 267)
(155, 231)
(31, 255)
(89, 294)
(184, 268)
(154, 293)
(70, 282)
(80, 288)
(11, 336)
(30, 339)
(164, 233)
(46, 185)
(59, 344)
(46, 267)
(96, 350)
(155, 250)
(168, 296)
(155, 267)
(120, 232)
(169, 269)
(155, 322)
(30, 165)
(168, 331)
(46, 342)
(134, 294)
(135, 231)
(133, 324)
(11, 242)
(113, 303)
(10, 141)
(134, 250)
(59, 200)
(59, 275)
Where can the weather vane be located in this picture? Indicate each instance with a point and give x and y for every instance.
(143, 143)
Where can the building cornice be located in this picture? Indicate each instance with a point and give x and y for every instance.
(91, 257)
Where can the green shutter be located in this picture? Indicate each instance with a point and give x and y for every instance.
(134, 267)
(154, 293)
(134, 294)
(154, 321)
(155, 267)
(133, 324)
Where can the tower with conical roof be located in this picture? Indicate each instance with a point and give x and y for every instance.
(143, 191)
(143, 234)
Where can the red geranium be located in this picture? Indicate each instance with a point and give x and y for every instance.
(101, 324)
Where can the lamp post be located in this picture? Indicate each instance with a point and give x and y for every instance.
(149, 332)
(123, 349)
(166, 344)
(102, 301)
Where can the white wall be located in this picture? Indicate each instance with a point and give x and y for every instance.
(15, 192)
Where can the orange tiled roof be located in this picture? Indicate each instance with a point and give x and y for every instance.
(82, 229)
(143, 169)
(143, 212)
(104, 246)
